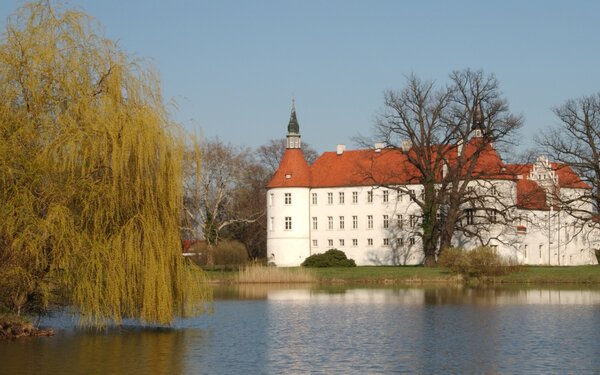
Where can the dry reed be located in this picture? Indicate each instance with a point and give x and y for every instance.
(263, 274)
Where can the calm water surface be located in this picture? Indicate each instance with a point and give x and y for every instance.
(263, 330)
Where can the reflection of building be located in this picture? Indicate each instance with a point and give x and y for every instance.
(339, 202)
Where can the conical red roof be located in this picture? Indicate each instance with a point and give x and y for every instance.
(293, 171)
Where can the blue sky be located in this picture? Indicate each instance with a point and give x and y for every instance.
(232, 67)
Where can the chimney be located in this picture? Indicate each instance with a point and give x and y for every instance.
(406, 145)
(378, 146)
(459, 147)
(340, 149)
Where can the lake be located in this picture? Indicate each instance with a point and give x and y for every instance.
(274, 330)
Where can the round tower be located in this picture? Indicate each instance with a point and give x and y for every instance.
(288, 192)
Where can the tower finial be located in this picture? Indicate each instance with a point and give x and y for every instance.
(293, 135)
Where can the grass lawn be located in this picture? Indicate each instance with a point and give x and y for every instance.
(417, 274)
(548, 275)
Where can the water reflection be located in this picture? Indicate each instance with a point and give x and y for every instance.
(433, 295)
(264, 329)
(123, 351)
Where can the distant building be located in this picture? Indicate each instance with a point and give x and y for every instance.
(331, 204)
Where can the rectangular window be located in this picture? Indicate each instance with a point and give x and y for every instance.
(494, 247)
(386, 242)
(370, 196)
(413, 220)
(525, 251)
(341, 197)
(342, 224)
(330, 243)
(493, 191)
(470, 214)
(271, 198)
(315, 243)
(315, 224)
(329, 198)
(355, 197)
(399, 196)
(412, 241)
(493, 216)
(288, 198)
(288, 223)
(341, 242)
(386, 221)
(314, 198)
(271, 222)
(386, 196)
(330, 222)
(369, 242)
(400, 241)
(354, 222)
(369, 221)
(412, 195)
(354, 242)
(399, 221)
(422, 194)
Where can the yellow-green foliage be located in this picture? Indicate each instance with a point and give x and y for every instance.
(90, 173)
(479, 262)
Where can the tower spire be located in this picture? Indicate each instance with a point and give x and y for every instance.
(477, 126)
(293, 135)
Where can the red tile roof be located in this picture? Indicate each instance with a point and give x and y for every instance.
(391, 167)
(293, 170)
(568, 178)
(531, 196)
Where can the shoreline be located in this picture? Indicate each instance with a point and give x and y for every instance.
(412, 275)
(14, 327)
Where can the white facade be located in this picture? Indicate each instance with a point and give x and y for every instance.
(380, 226)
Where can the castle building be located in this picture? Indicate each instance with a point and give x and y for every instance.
(334, 203)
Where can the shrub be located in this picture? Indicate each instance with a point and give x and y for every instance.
(226, 253)
(482, 261)
(451, 259)
(331, 258)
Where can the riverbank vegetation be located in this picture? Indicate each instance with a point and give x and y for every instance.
(390, 275)
(92, 173)
(262, 274)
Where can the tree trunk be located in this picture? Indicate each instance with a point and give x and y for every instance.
(210, 259)
(430, 260)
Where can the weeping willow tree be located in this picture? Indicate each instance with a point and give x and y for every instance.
(90, 177)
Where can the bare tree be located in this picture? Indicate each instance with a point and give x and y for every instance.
(443, 133)
(270, 154)
(214, 201)
(575, 142)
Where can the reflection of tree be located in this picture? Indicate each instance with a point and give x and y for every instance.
(120, 351)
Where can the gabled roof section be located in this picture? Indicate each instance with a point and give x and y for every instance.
(363, 168)
(567, 177)
(293, 171)
(531, 196)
